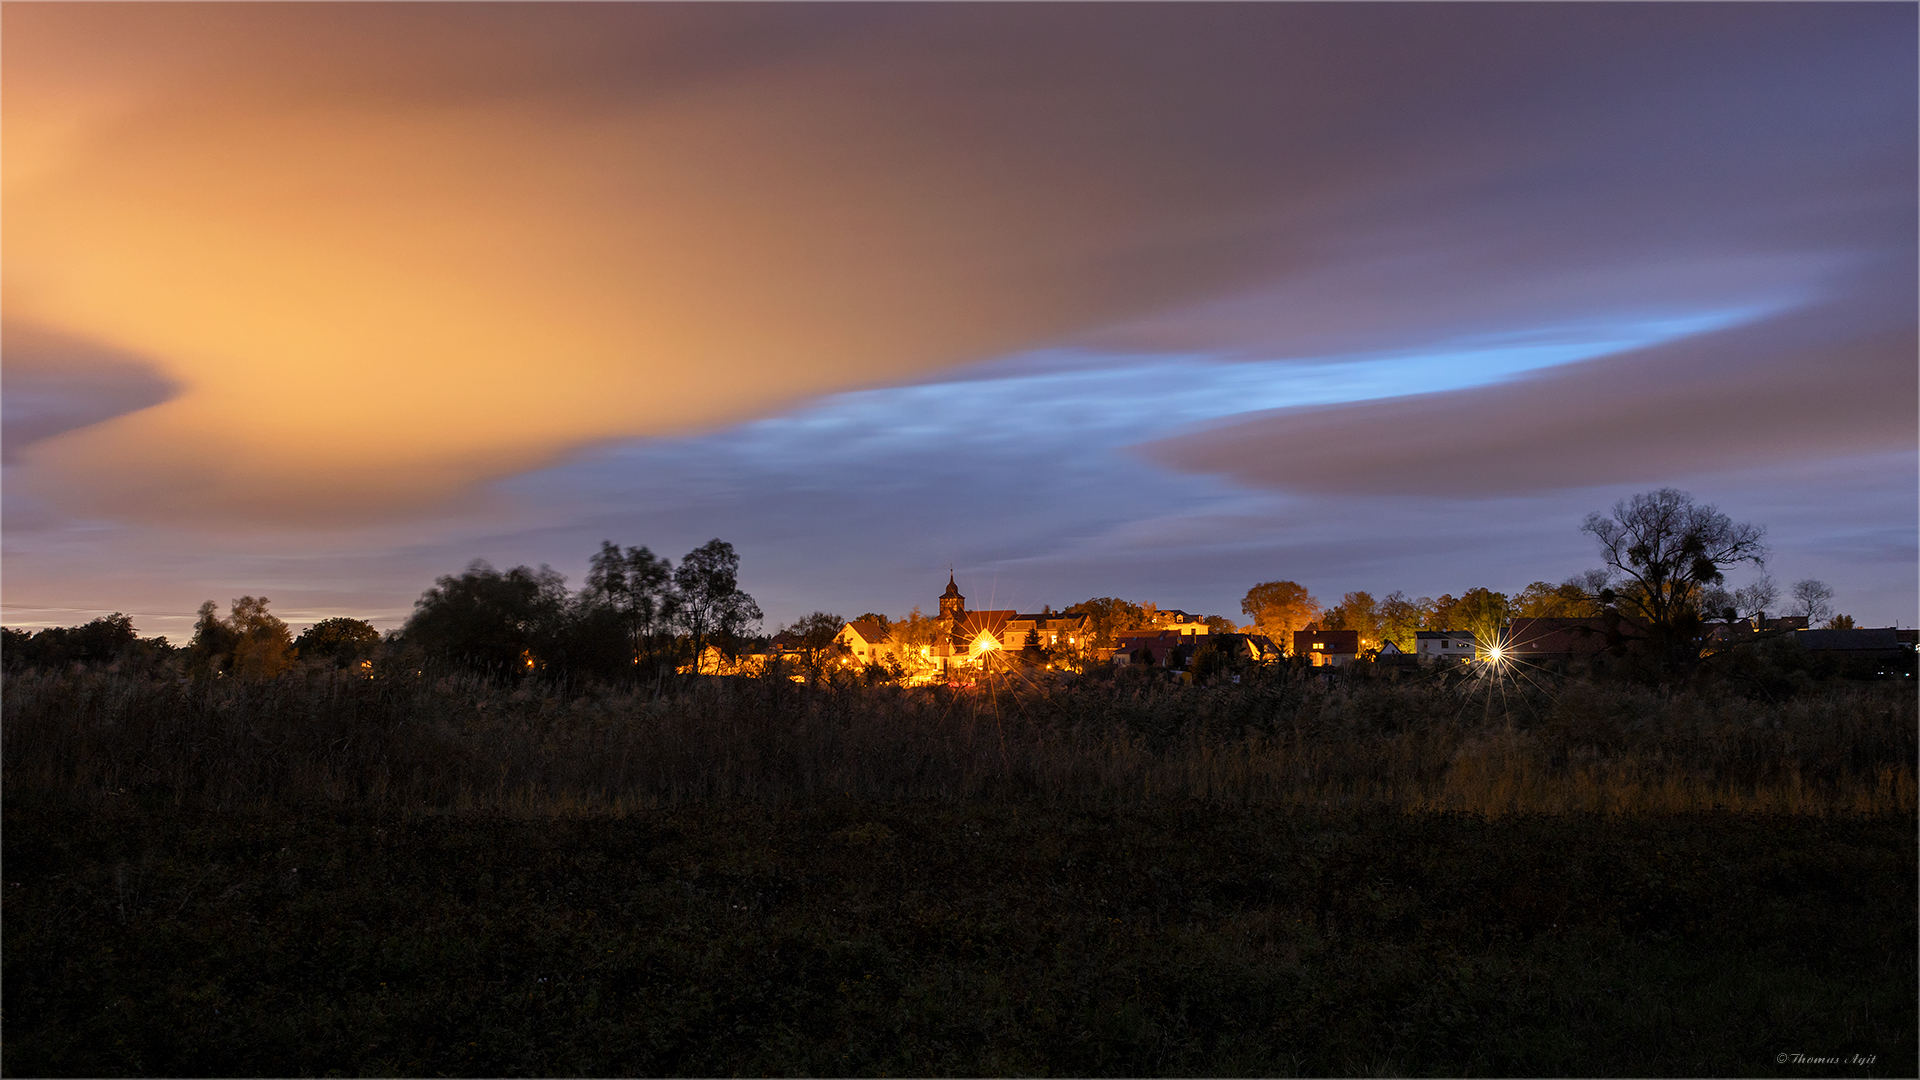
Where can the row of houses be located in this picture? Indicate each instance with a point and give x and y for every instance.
(969, 640)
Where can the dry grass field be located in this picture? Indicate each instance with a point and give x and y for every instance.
(445, 877)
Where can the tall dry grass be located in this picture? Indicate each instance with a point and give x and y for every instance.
(464, 745)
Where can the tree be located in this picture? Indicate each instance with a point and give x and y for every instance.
(1662, 551)
(1749, 602)
(501, 623)
(631, 594)
(1814, 599)
(1357, 611)
(341, 641)
(211, 649)
(911, 635)
(713, 609)
(1400, 620)
(1483, 613)
(1279, 608)
(816, 638)
(1220, 624)
(105, 640)
(1108, 617)
(263, 646)
(1839, 622)
(1567, 600)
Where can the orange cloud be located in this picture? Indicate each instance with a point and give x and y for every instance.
(376, 291)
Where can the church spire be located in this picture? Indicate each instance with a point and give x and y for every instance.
(951, 602)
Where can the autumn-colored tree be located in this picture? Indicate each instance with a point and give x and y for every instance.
(262, 644)
(1357, 611)
(912, 635)
(1400, 620)
(1540, 600)
(1483, 613)
(1279, 608)
(1108, 617)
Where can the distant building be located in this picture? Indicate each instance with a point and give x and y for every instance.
(867, 642)
(1433, 646)
(1556, 638)
(1043, 630)
(1153, 648)
(1327, 648)
(1392, 656)
(1873, 645)
(1179, 622)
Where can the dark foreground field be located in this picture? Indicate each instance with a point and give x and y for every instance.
(901, 937)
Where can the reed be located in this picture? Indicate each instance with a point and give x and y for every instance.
(463, 744)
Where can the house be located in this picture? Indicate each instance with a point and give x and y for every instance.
(867, 642)
(1327, 648)
(1433, 646)
(1392, 656)
(1258, 648)
(1046, 629)
(1556, 638)
(1177, 621)
(1153, 648)
(1878, 647)
(1569, 639)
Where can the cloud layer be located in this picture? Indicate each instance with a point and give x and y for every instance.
(339, 292)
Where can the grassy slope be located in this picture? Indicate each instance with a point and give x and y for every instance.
(888, 937)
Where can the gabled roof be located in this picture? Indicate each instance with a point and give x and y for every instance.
(973, 623)
(1336, 641)
(869, 631)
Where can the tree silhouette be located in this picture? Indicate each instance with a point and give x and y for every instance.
(341, 641)
(503, 623)
(713, 609)
(1662, 551)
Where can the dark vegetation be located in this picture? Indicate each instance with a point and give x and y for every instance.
(527, 836)
(936, 938)
(463, 876)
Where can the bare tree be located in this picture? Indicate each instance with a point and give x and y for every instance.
(1814, 599)
(1662, 552)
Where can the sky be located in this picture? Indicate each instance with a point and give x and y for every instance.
(320, 302)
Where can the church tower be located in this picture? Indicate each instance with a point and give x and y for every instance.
(952, 604)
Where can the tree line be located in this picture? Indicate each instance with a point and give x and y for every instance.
(638, 616)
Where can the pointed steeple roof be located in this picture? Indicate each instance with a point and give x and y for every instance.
(953, 590)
